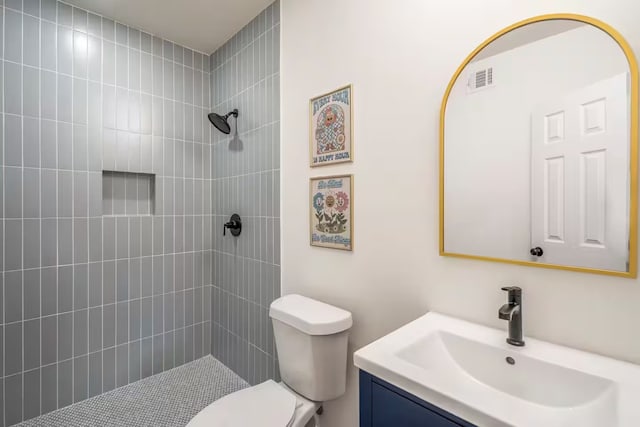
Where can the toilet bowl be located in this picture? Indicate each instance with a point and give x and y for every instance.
(268, 404)
(311, 338)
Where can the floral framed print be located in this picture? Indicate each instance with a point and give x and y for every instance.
(331, 127)
(331, 212)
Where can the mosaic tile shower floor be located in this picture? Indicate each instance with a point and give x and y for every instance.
(168, 399)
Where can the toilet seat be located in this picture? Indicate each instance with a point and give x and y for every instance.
(266, 405)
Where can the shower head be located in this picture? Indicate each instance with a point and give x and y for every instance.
(221, 122)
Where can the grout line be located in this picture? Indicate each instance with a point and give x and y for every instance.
(39, 207)
(117, 142)
(87, 143)
(102, 196)
(57, 143)
(22, 230)
(4, 411)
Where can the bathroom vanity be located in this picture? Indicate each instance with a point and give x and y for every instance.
(384, 405)
(442, 371)
(535, 160)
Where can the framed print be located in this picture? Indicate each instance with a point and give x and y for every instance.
(331, 127)
(331, 212)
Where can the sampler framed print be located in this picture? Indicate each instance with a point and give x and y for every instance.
(331, 127)
(331, 212)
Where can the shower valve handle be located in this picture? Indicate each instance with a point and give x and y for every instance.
(231, 225)
(234, 225)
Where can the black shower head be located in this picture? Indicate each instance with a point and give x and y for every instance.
(221, 122)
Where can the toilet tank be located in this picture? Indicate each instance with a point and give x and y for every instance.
(311, 338)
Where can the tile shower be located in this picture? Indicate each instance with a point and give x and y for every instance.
(114, 191)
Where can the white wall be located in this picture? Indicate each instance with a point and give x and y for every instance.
(488, 134)
(400, 57)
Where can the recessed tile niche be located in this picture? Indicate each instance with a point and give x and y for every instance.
(127, 193)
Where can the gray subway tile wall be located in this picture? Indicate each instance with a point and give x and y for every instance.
(246, 180)
(98, 291)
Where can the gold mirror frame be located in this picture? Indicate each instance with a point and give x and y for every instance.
(633, 207)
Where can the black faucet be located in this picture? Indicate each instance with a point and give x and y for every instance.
(512, 311)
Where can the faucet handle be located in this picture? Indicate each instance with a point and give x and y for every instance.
(515, 294)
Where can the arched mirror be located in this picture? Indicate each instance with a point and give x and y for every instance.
(538, 149)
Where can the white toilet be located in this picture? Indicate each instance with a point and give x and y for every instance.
(311, 339)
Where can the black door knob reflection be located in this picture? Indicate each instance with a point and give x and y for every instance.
(537, 251)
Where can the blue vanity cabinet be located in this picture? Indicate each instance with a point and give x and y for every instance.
(384, 405)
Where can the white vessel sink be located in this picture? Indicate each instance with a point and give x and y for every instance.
(470, 371)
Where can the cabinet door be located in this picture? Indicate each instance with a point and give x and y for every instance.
(389, 409)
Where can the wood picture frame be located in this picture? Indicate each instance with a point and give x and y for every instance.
(331, 212)
(331, 127)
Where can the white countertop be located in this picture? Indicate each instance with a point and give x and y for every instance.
(427, 358)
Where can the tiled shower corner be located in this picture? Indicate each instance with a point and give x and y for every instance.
(246, 179)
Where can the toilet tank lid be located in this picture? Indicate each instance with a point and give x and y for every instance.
(310, 316)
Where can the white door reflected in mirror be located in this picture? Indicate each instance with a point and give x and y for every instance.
(580, 157)
(537, 136)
